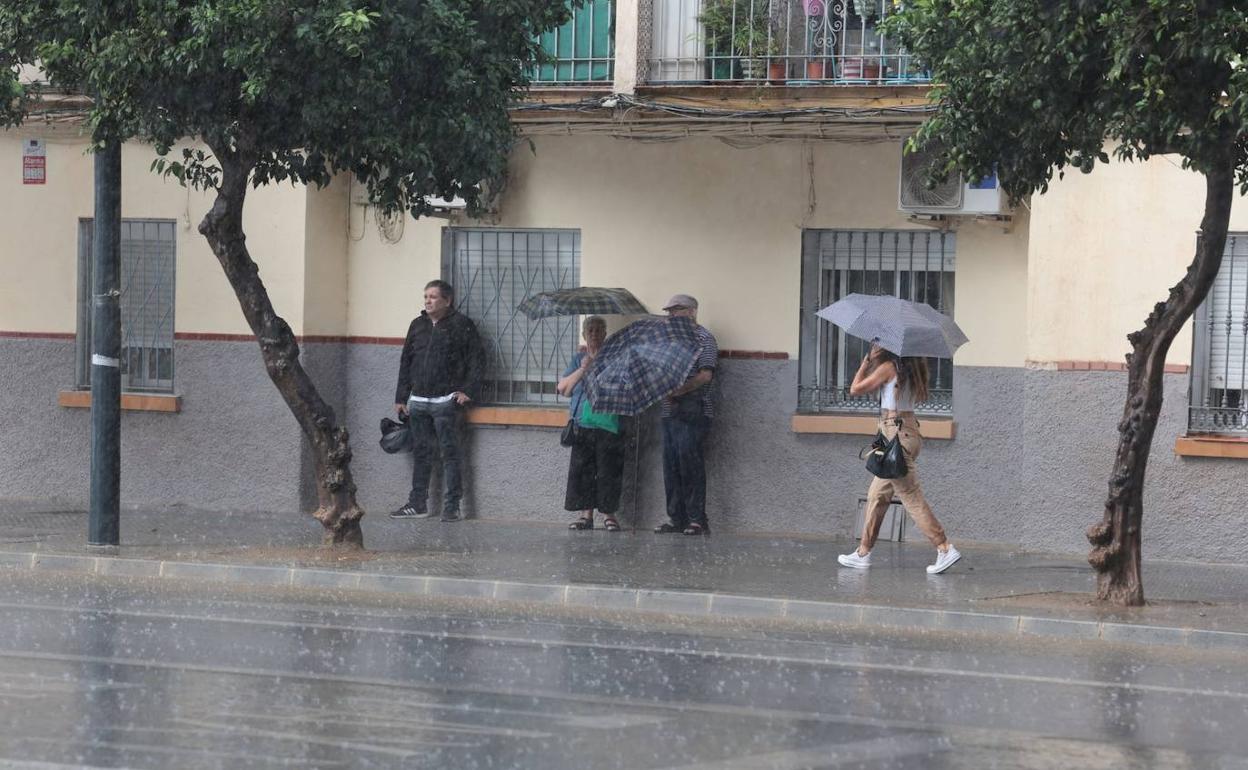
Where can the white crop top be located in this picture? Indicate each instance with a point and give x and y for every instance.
(895, 398)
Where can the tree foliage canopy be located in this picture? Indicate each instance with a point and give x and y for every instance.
(1029, 87)
(410, 95)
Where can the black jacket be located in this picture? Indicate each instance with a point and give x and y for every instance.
(439, 359)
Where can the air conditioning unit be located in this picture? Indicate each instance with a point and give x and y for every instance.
(447, 204)
(359, 197)
(953, 197)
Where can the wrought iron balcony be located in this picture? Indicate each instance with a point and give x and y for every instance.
(786, 42)
(1212, 419)
(581, 51)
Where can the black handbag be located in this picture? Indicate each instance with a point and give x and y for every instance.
(395, 436)
(886, 459)
(568, 436)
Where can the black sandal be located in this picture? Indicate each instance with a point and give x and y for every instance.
(666, 529)
(697, 529)
(610, 524)
(582, 523)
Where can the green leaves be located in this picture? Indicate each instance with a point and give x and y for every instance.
(1033, 86)
(412, 97)
(197, 168)
(350, 27)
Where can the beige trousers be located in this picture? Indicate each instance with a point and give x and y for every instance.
(907, 488)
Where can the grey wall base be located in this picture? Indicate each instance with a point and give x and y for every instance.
(234, 446)
(1029, 465)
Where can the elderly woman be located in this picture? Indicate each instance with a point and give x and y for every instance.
(596, 469)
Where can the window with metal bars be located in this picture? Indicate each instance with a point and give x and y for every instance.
(492, 271)
(917, 265)
(1219, 378)
(583, 49)
(147, 285)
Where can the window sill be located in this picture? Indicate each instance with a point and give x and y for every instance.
(132, 402)
(1204, 445)
(941, 429)
(541, 417)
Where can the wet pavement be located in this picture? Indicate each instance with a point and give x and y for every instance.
(110, 672)
(1005, 583)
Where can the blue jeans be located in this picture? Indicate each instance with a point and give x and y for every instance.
(684, 469)
(435, 425)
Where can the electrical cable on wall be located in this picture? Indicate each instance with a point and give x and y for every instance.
(630, 103)
(812, 201)
(390, 225)
(739, 128)
(363, 211)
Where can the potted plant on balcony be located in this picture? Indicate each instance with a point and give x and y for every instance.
(820, 68)
(863, 62)
(866, 9)
(742, 30)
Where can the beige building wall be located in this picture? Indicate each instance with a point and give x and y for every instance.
(695, 216)
(40, 235)
(40, 247)
(701, 217)
(326, 277)
(1105, 248)
(388, 270)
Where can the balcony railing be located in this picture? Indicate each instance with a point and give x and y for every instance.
(581, 51)
(790, 42)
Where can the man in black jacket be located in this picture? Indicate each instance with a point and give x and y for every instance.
(439, 373)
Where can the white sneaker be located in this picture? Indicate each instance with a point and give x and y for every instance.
(944, 560)
(852, 559)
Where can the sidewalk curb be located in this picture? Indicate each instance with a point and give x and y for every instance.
(695, 603)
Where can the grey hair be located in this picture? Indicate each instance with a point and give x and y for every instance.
(593, 320)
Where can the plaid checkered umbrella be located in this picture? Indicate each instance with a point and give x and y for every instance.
(583, 300)
(901, 327)
(641, 364)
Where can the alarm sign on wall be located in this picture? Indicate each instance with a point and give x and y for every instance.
(34, 162)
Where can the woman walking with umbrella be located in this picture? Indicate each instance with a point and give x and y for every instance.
(902, 383)
(903, 334)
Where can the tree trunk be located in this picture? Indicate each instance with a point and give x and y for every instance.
(222, 226)
(1116, 540)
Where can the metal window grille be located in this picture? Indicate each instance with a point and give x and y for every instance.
(795, 41)
(147, 287)
(492, 270)
(917, 265)
(1218, 402)
(583, 49)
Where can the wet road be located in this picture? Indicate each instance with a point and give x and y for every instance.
(113, 673)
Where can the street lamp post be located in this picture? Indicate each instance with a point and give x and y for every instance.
(103, 522)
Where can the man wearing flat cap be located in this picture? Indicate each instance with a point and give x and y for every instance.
(687, 413)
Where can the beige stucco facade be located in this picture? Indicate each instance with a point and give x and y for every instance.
(1105, 247)
(41, 243)
(326, 267)
(1066, 280)
(715, 221)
